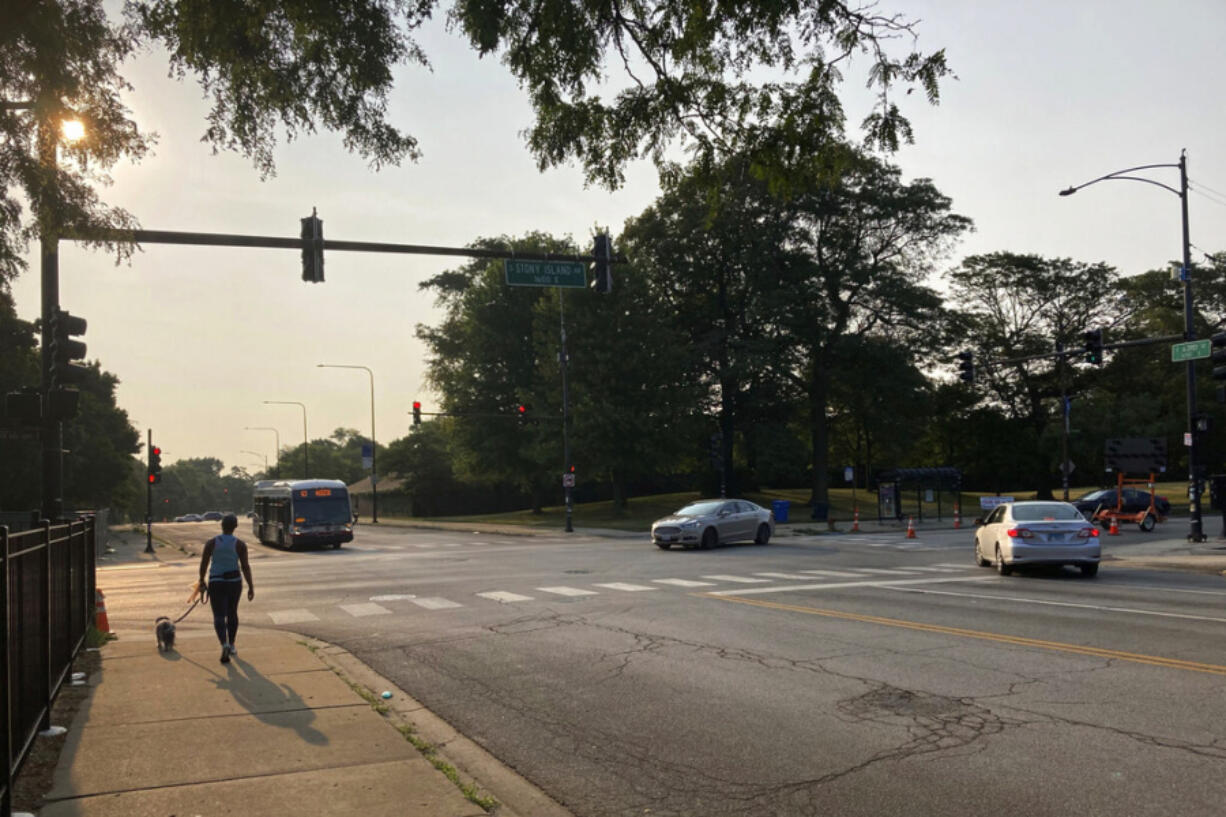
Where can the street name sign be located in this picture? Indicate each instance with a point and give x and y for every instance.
(546, 273)
(1192, 350)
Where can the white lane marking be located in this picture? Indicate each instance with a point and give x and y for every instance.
(630, 588)
(836, 574)
(1103, 607)
(367, 609)
(783, 575)
(435, 603)
(740, 579)
(683, 583)
(568, 591)
(935, 569)
(953, 564)
(504, 597)
(292, 616)
(840, 585)
(885, 572)
(394, 597)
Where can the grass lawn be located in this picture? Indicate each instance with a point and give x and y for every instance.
(643, 511)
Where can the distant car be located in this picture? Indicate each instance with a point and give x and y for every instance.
(1024, 534)
(212, 516)
(1135, 501)
(189, 517)
(709, 522)
(182, 518)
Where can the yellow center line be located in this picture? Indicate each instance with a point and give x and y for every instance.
(1140, 658)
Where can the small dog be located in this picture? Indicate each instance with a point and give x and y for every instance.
(165, 630)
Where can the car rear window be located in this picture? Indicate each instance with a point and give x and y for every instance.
(1039, 511)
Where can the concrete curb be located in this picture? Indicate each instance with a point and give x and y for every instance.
(516, 796)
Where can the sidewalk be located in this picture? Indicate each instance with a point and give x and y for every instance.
(274, 732)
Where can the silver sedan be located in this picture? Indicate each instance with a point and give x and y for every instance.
(1018, 534)
(709, 522)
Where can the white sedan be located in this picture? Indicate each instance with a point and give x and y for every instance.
(1021, 534)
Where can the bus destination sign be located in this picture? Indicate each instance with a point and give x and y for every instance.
(546, 273)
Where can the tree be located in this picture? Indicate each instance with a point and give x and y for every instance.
(870, 240)
(337, 457)
(1013, 306)
(757, 76)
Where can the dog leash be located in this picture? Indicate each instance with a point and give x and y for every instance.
(204, 592)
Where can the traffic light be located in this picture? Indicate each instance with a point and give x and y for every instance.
(966, 366)
(416, 412)
(602, 269)
(1093, 339)
(1219, 363)
(155, 465)
(65, 352)
(313, 253)
(521, 411)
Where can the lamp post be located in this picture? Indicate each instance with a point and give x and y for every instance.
(1195, 530)
(374, 446)
(277, 460)
(306, 445)
(256, 454)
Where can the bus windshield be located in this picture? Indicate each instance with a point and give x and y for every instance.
(331, 510)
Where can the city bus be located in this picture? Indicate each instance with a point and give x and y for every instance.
(289, 513)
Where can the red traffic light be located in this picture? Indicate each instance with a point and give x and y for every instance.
(153, 478)
(522, 409)
(157, 452)
(417, 405)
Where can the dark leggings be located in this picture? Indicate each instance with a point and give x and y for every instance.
(223, 597)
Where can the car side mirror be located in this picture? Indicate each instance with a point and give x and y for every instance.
(979, 522)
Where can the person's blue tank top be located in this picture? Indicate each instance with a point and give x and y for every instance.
(225, 559)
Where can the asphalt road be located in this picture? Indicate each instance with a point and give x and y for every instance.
(818, 675)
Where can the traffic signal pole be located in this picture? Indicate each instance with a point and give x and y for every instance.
(52, 441)
(149, 499)
(566, 472)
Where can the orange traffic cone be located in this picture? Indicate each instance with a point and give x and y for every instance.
(1115, 528)
(957, 517)
(855, 521)
(910, 527)
(100, 622)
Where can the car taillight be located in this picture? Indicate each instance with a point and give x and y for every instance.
(1019, 533)
(1086, 533)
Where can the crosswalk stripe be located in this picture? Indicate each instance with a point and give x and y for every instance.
(885, 572)
(783, 575)
(292, 616)
(934, 569)
(435, 603)
(951, 564)
(882, 583)
(630, 588)
(740, 579)
(683, 582)
(568, 591)
(836, 574)
(503, 596)
(367, 609)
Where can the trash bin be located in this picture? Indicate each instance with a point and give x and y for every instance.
(780, 508)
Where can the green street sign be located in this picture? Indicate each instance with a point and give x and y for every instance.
(546, 273)
(1192, 350)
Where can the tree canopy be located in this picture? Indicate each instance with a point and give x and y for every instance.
(609, 82)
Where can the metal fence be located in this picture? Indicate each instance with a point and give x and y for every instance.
(47, 586)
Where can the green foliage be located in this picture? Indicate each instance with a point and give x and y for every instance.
(337, 457)
(194, 485)
(753, 78)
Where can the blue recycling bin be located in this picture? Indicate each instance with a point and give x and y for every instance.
(780, 508)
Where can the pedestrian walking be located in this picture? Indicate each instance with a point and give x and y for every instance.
(228, 555)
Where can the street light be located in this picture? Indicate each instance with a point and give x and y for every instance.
(374, 446)
(306, 445)
(277, 461)
(1195, 531)
(256, 454)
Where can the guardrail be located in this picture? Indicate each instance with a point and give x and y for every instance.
(47, 586)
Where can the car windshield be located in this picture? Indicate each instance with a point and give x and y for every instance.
(1098, 496)
(1045, 511)
(699, 509)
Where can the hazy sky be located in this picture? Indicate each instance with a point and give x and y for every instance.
(1049, 93)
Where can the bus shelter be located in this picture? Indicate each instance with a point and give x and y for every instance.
(906, 492)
